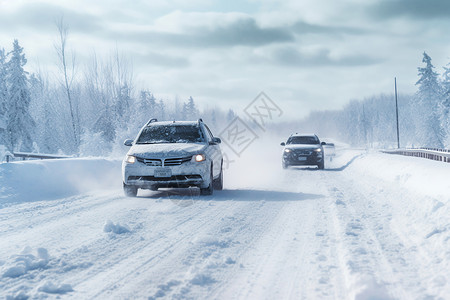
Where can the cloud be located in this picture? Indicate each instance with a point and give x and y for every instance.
(42, 16)
(290, 56)
(158, 59)
(245, 32)
(301, 27)
(430, 9)
(239, 32)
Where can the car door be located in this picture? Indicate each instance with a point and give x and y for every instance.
(214, 152)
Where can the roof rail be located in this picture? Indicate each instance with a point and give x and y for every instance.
(151, 121)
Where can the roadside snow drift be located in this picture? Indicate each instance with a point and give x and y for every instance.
(36, 180)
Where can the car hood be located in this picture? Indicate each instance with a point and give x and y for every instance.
(166, 150)
(303, 146)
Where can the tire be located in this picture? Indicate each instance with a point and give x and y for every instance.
(218, 182)
(210, 189)
(321, 165)
(284, 165)
(129, 190)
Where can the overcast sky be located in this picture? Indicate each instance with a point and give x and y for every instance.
(304, 54)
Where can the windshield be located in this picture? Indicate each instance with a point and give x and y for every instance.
(159, 134)
(307, 140)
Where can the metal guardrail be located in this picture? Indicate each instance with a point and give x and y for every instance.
(25, 155)
(429, 153)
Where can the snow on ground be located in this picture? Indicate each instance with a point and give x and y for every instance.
(370, 226)
(25, 181)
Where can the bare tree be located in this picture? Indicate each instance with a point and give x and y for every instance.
(67, 67)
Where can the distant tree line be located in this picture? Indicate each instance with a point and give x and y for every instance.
(88, 114)
(424, 117)
(93, 112)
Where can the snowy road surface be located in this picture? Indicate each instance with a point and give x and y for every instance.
(371, 226)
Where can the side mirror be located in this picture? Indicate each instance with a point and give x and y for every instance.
(128, 143)
(283, 144)
(216, 141)
(323, 143)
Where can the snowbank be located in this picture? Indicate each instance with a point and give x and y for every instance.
(424, 176)
(27, 181)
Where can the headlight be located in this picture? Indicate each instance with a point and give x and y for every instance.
(199, 157)
(287, 150)
(318, 150)
(130, 159)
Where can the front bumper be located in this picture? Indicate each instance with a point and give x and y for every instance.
(188, 174)
(294, 159)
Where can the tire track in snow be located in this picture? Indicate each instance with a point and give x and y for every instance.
(369, 251)
(162, 250)
(28, 215)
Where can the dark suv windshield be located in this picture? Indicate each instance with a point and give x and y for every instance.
(308, 140)
(157, 134)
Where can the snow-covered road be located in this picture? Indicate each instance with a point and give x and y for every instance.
(370, 226)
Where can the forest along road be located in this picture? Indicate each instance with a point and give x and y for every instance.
(300, 233)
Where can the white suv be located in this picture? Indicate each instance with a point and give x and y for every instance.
(174, 154)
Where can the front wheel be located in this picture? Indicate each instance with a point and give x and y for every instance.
(210, 189)
(284, 165)
(218, 182)
(130, 190)
(321, 165)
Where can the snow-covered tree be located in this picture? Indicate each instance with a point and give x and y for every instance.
(105, 124)
(190, 111)
(445, 105)
(147, 105)
(122, 102)
(20, 124)
(428, 96)
(3, 97)
(162, 110)
(230, 115)
(42, 107)
(67, 68)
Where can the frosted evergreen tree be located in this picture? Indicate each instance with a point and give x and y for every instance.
(3, 97)
(147, 104)
(122, 103)
(20, 124)
(162, 110)
(230, 115)
(191, 112)
(428, 96)
(43, 109)
(105, 125)
(147, 108)
(184, 112)
(445, 105)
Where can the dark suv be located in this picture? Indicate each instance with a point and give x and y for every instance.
(303, 150)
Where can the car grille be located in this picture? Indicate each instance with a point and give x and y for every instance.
(149, 161)
(156, 162)
(303, 152)
(176, 161)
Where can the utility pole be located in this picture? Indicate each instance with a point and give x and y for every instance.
(396, 112)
